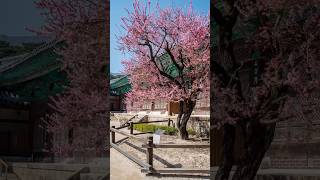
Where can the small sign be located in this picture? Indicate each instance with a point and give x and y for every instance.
(156, 138)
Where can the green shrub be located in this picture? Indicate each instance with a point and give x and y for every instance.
(191, 132)
(153, 128)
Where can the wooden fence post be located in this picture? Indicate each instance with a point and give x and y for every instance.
(113, 136)
(150, 151)
(131, 127)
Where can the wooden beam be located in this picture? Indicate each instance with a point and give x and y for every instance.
(179, 170)
(162, 116)
(131, 128)
(178, 146)
(113, 136)
(76, 175)
(132, 158)
(105, 177)
(150, 122)
(121, 140)
(128, 135)
(6, 169)
(150, 151)
(121, 127)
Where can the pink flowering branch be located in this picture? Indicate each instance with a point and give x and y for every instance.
(162, 38)
(82, 109)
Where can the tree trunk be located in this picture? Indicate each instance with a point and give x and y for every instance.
(186, 108)
(228, 148)
(259, 142)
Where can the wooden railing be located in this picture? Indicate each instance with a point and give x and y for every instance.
(4, 169)
(105, 177)
(76, 175)
(149, 145)
(113, 144)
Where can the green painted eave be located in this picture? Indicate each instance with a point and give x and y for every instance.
(40, 88)
(35, 76)
(120, 85)
(32, 66)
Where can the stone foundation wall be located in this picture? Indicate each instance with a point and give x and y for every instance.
(295, 163)
(285, 177)
(294, 155)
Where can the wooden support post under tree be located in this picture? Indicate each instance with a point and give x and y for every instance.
(150, 151)
(131, 128)
(113, 135)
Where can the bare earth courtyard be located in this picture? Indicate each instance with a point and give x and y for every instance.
(123, 168)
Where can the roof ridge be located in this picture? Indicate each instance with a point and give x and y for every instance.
(12, 57)
(119, 78)
(31, 54)
(32, 76)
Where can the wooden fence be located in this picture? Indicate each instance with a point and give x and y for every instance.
(149, 145)
(4, 169)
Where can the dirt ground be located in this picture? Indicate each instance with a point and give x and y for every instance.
(186, 158)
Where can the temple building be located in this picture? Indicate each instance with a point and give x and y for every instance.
(120, 85)
(26, 83)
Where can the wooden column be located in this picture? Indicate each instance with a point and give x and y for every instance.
(131, 128)
(216, 139)
(150, 151)
(113, 136)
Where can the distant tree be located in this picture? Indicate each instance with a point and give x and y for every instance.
(280, 45)
(170, 57)
(82, 109)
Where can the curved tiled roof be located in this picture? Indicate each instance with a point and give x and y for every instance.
(35, 75)
(39, 62)
(9, 61)
(120, 85)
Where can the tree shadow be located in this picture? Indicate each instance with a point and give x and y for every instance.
(142, 133)
(180, 176)
(163, 161)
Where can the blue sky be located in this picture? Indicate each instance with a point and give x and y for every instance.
(117, 10)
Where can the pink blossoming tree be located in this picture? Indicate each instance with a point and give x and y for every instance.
(170, 57)
(80, 121)
(277, 41)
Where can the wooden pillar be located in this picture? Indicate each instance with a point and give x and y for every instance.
(131, 127)
(216, 142)
(150, 151)
(113, 136)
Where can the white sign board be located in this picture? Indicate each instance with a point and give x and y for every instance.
(156, 138)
